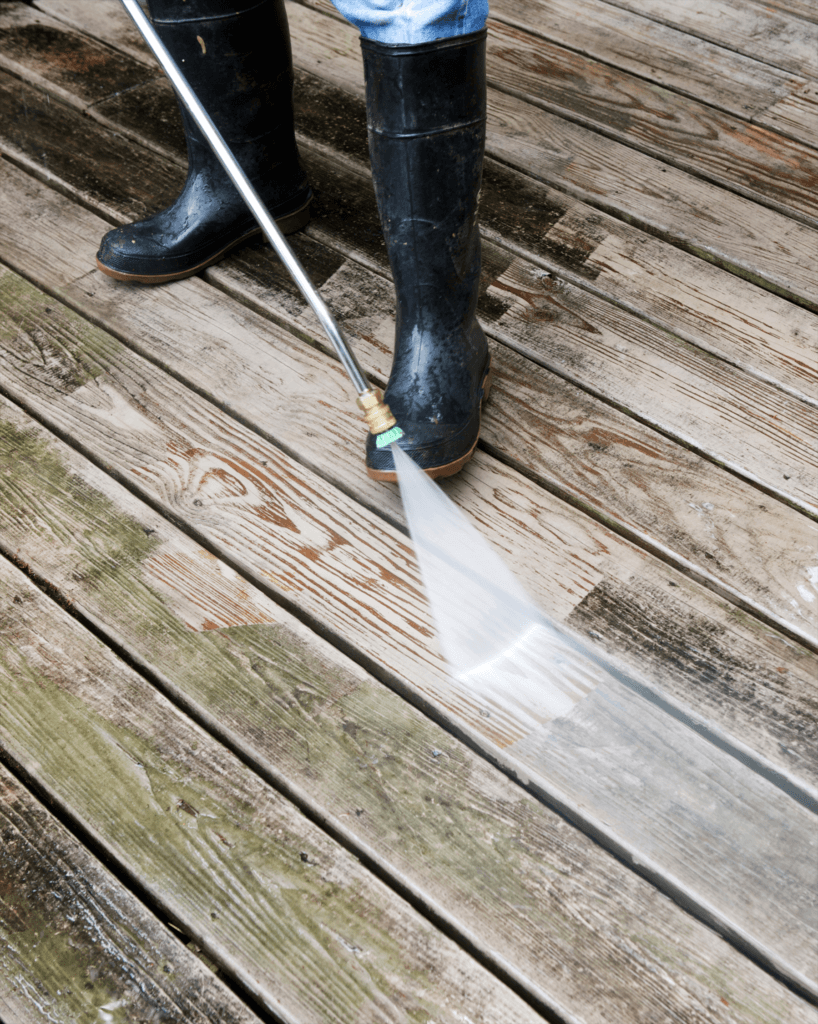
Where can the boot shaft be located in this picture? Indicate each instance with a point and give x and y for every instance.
(426, 109)
(237, 58)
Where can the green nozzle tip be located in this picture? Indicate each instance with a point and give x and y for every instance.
(388, 437)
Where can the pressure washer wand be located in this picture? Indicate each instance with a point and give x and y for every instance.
(376, 412)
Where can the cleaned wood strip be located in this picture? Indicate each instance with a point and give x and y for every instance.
(755, 30)
(379, 772)
(269, 514)
(296, 918)
(750, 437)
(265, 374)
(77, 945)
(764, 335)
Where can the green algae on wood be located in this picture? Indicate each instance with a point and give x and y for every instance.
(76, 947)
(497, 863)
(264, 892)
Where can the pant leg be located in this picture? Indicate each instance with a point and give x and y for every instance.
(414, 21)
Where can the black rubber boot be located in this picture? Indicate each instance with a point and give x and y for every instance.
(236, 56)
(426, 115)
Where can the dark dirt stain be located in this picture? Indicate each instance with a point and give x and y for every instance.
(66, 58)
(700, 660)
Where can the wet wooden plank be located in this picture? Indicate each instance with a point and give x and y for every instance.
(752, 160)
(765, 336)
(265, 374)
(77, 945)
(318, 725)
(684, 209)
(627, 357)
(309, 931)
(74, 68)
(53, 141)
(574, 443)
(753, 29)
(351, 574)
(605, 173)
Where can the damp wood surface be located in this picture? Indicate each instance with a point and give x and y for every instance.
(269, 515)
(77, 944)
(291, 914)
(180, 469)
(504, 870)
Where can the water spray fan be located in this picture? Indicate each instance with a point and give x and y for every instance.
(376, 412)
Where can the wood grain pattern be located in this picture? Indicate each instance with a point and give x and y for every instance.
(77, 945)
(463, 838)
(668, 57)
(800, 8)
(757, 446)
(765, 336)
(749, 159)
(310, 933)
(608, 174)
(269, 377)
(268, 513)
(755, 30)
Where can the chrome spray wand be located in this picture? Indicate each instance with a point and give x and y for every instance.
(376, 412)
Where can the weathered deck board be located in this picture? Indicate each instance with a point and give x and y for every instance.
(750, 89)
(753, 29)
(266, 513)
(752, 160)
(765, 436)
(781, 253)
(298, 920)
(598, 579)
(690, 66)
(800, 8)
(684, 209)
(764, 335)
(254, 367)
(386, 778)
(601, 458)
(77, 945)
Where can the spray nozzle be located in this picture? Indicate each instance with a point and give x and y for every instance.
(379, 418)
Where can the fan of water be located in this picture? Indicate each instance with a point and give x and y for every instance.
(496, 641)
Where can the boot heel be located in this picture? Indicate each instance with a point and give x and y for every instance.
(292, 222)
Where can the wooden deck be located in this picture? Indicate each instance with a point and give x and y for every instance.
(236, 784)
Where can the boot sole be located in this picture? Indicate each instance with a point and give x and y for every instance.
(287, 225)
(451, 467)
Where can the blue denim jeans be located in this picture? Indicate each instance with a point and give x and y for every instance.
(414, 21)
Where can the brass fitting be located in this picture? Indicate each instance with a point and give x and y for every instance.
(376, 412)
